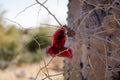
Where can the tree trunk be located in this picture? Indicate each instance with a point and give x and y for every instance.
(96, 44)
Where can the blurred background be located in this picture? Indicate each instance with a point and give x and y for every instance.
(24, 37)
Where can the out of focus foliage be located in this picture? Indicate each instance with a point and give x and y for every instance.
(9, 41)
(22, 46)
(39, 40)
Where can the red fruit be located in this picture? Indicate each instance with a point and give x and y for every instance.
(58, 42)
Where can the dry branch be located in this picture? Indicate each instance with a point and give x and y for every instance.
(49, 12)
(25, 9)
(53, 75)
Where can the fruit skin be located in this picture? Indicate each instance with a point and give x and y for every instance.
(58, 42)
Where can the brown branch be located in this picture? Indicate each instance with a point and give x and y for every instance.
(49, 63)
(43, 68)
(106, 61)
(46, 69)
(53, 75)
(45, 1)
(47, 75)
(14, 22)
(49, 12)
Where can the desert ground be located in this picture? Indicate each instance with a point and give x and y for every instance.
(29, 71)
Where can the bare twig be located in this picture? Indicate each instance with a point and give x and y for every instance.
(46, 69)
(53, 75)
(49, 63)
(106, 61)
(28, 7)
(44, 1)
(14, 22)
(38, 16)
(43, 68)
(25, 9)
(49, 12)
(39, 11)
(47, 75)
(49, 24)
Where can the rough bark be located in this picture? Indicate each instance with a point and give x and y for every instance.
(96, 44)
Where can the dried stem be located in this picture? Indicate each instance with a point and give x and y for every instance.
(48, 24)
(25, 9)
(47, 75)
(106, 61)
(49, 12)
(28, 7)
(53, 75)
(14, 22)
(49, 63)
(43, 67)
(46, 69)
